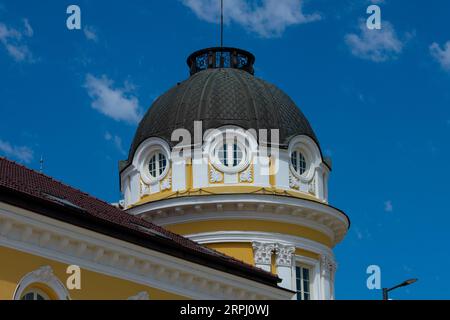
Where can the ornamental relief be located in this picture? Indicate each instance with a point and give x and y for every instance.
(144, 188)
(294, 183)
(312, 186)
(263, 253)
(246, 175)
(215, 176)
(328, 266)
(166, 183)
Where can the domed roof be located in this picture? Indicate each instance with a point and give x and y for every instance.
(220, 96)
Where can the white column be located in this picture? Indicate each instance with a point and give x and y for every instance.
(282, 175)
(135, 187)
(328, 268)
(262, 253)
(179, 174)
(284, 254)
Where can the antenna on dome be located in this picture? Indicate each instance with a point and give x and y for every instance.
(221, 23)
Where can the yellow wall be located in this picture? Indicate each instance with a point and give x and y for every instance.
(249, 225)
(309, 254)
(239, 250)
(16, 264)
(244, 251)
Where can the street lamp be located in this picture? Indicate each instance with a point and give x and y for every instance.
(403, 284)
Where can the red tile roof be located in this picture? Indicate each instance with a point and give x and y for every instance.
(26, 184)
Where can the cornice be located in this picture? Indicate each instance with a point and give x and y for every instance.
(55, 240)
(318, 216)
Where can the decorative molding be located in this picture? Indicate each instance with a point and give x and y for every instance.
(143, 295)
(246, 175)
(214, 175)
(312, 214)
(328, 266)
(262, 252)
(43, 275)
(310, 151)
(294, 183)
(122, 259)
(166, 184)
(145, 188)
(312, 186)
(257, 236)
(284, 255)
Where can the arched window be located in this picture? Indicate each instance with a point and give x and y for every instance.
(41, 284)
(298, 161)
(34, 294)
(157, 164)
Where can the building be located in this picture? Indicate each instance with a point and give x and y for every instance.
(225, 196)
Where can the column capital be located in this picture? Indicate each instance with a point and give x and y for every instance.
(284, 254)
(263, 252)
(328, 266)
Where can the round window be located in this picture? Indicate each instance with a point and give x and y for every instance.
(157, 164)
(298, 162)
(230, 155)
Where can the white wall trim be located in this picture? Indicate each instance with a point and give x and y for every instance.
(43, 275)
(315, 215)
(36, 234)
(250, 236)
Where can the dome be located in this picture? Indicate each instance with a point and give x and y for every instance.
(221, 94)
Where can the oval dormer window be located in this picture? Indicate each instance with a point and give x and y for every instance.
(157, 164)
(298, 162)
(231, 154)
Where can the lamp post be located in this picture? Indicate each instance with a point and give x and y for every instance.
(403, 284)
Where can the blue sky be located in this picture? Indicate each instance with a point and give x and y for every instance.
(378, 101)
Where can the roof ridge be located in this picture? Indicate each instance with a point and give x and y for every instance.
(24, 180)
(55, 180)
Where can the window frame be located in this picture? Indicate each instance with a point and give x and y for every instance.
(231, 161)
(302, 290)
(310, 151)
(35, 291)
(230, 137)
(314, 276)
(144, 169)
(157, 155)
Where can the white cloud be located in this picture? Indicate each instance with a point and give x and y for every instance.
(388, 206)
(117, 103)
(21, 153)
(90, 33)
(117, 141)
(442, 55)
(375, 45)
(29, 32)
(14, 43)
(267, 18)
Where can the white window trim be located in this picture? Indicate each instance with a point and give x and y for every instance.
(314, 265)
(143, 155)
(306, 146)
(230, 156)
(35, 292)
(230, 133)
(44, 275)
(156, 154)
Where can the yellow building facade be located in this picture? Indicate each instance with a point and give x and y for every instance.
(228, 160)
(225, 196)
